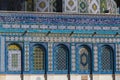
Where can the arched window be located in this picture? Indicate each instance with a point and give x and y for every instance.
(84, 59)
(106, 59)
(14, 57)
(61, 58)
(38, 58)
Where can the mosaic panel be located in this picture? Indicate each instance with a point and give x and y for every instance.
(26, 56)
(53, 6)
(14, 58)
(60, 19)
(94, 6)
(2, 67)
(106, 59)
(95, 48)
(103, 6)
(117, 57)
(84, 58)
(50, 54)
(82, 6)
(112, 6)
(42, 5)
(38, 58)
(61, 58)
(73, 57)
(70, 5)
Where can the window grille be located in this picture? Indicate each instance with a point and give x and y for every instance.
(61, 58)
(106, 59)
(38, 58)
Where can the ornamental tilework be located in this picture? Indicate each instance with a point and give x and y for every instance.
(111, 6)
(75, 20)
(26, 56)
(70, 5)
(94, 6)
(2, 67)
(73, 57)
(117, 57)
(95, 49)
(42, 5)
(84, 59)
(50, 51)
(53, 5)
(82, 6)
(103, 6)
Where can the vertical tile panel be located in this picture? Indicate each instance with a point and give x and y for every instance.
(42, 5)
(117, 57)
(50, 56)
(26, 49)
(2, 54)
(70, 6)
(95, 49)
(94, 6)
(73, 57)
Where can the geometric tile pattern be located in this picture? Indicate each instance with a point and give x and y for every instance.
(103, 6)
(50, 54)
(106, 59)
(61, 58)
(117, 57)
(2, 56)
(14, 58)
(73, 57)
(94, 6)
(53, 6)
(111, 6)
(58, 38)
(38, 58)
(84, 58)
(70, 5)
(42, 6)
(95, 49)
(26, 57)
(82, 6)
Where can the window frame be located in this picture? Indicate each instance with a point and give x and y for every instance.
(20, 45)
(44, 47)
(111, 46)
(67, 47)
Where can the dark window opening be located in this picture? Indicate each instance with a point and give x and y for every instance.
(59, 5)
(117, 2)
(12, 5)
